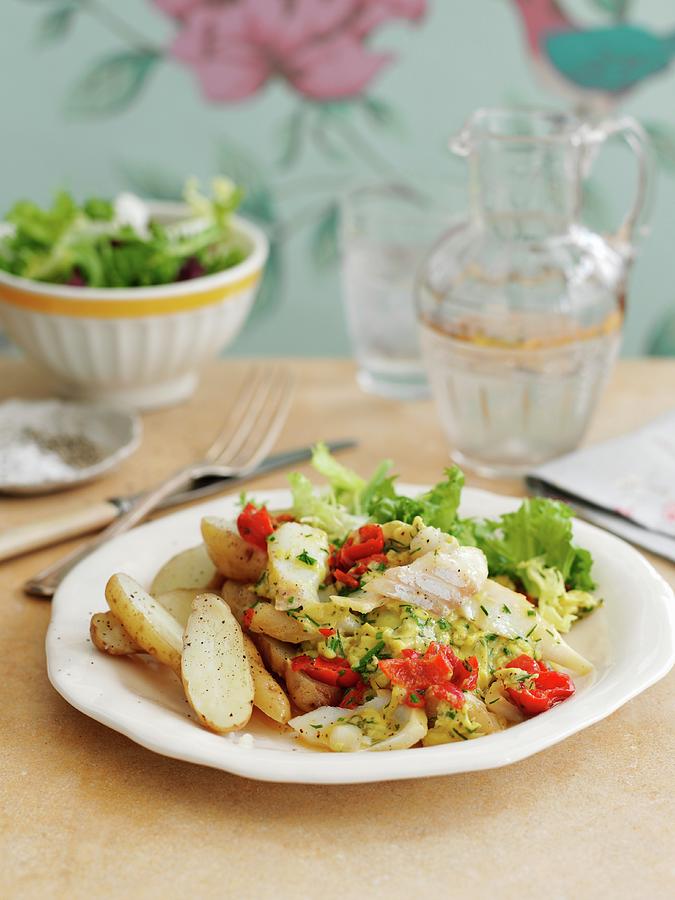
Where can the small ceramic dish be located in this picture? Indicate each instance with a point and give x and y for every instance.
(50, 445)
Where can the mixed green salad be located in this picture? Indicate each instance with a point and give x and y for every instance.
(107, 244)
(424, 626)
(531, 549)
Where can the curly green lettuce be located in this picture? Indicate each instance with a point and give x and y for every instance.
(556, 604)
(88, 246)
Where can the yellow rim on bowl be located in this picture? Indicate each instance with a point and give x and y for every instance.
(93, 307)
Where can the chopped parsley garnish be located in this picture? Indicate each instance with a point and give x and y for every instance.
(305, 558)
(506, 609)
(334, 643)
(365, 660)
(485, 612)
(531, 630)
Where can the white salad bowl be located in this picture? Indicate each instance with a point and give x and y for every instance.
(140, 347)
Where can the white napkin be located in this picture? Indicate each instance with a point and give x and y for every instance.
(626, 485)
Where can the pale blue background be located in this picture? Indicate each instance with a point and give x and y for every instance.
(466, 53)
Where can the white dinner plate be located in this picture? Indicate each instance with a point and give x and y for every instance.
(630, 641)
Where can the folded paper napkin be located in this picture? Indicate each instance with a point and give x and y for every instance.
(626, 485)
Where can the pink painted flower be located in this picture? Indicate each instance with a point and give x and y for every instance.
(317, 46)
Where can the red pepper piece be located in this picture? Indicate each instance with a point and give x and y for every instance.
(465, 672)
(371, 532)
(370, 542)
(248, 617)
(354, 696)
(336, 672)
(439, 673)
(255, 525)
(356, 552)
(327, 632)
(346, 578)
(549, 687)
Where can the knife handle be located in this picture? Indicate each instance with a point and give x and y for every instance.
(43, 532)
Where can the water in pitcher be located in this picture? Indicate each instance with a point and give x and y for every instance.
(506, 409)
(521, 306)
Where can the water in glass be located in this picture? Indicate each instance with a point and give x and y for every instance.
(386, 232)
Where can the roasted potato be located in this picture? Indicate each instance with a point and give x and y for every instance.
(215, 667)
(150, 626)
(265, 618)
(305, 692)
(179, 603)
(234, 557)
(109, 635)
(275, 654)
(268, 696)
(189, 569)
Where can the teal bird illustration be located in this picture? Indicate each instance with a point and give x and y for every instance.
(595, 65)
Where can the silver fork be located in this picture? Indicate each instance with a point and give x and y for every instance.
(249, 433)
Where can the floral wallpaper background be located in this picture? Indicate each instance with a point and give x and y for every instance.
(298, 99)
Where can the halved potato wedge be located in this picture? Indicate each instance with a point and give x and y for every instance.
(268, 696)
(147, 622)
(234, 557)
(265, 618)
(188, 569)
(276, 654)
(109, 635)
(215, 669)
(179, 603)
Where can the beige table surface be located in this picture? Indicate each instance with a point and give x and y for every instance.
(86, 813)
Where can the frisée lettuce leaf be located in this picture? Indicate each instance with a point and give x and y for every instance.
(533, 546)
(539, 528)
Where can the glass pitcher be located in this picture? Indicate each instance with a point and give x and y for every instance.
(521, 306)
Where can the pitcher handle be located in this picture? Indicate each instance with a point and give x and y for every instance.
(637, 140)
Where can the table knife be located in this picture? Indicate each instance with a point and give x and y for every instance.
(45, 532)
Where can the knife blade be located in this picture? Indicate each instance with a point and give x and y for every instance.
(46, 532)
(205, 487)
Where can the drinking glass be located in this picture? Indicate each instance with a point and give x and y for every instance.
(386, 230)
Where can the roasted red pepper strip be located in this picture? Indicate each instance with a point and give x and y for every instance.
(370, 542)
(371, 532)
(327, 632)
(439, 673)
(248, 617)
(549, 687)
(354, 696)
(346, 578)
(336, 672)
(255, 525)
(353, 553)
